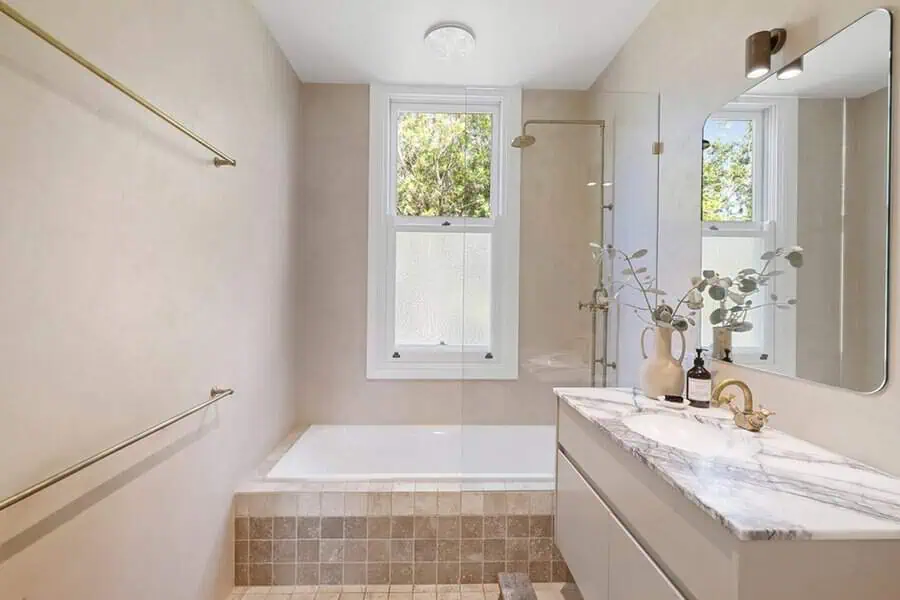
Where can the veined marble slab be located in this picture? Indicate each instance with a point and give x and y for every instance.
(768, 485)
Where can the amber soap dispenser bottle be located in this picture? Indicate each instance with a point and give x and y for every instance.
(699, 383)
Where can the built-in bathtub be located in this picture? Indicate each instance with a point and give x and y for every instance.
(400, 505)
(469, 453)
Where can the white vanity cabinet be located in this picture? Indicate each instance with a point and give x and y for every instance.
(603, 556)
(629, 532)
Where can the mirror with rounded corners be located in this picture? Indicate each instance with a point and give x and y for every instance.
(795, 213)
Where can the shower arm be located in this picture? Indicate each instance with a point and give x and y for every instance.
(595, 122)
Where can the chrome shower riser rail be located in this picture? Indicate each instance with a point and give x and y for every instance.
(221, 159)
(215, 394)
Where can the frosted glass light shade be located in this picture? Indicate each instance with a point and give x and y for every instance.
(450, 40)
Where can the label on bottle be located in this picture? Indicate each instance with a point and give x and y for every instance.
(699, 390)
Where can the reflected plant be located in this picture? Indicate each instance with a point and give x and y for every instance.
(734, 293)
(655, 311)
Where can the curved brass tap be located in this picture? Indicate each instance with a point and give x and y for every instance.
(749, 419)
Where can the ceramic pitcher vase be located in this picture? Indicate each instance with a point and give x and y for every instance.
(661, 374)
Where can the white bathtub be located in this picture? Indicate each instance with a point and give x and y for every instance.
(420, 452)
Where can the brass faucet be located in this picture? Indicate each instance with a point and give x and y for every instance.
(749, 419)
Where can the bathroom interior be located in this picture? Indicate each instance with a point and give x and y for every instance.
(394, 300)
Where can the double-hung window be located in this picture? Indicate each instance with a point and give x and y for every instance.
(443, 234)
(749, 208)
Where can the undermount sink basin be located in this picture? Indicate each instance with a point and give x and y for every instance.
(691, 436)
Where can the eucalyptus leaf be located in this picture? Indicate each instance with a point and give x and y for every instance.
(774, 297)
(596, 245)
(709, 274)
(748, 286)
(774, 273)
(768, 255)
(743, 327)
(792, 301)
(795, 259)
(701, 287)
(735, 297)
(691, 321)
(717, 316)
(639, 253)
(641, 270)
(655, 291)
(736, 309)
(748, 303)
(717, 292)
(747, 272)
(628, 272)
(680, 325)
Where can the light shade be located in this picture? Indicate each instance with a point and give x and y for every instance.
(792, 69)
(759, 50)
(450, 40)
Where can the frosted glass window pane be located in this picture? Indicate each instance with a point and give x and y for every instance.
(443, 289)
(727, 256)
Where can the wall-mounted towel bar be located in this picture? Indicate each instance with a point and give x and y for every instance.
(221, 159)
(215, 395)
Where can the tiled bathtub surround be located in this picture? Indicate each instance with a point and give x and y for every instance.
(393, 533)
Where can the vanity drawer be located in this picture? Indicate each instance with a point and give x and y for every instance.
(582, 531)
(693, 551)
(632, 573)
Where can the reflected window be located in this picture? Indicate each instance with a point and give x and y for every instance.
(738, 214)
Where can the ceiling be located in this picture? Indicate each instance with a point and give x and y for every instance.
(852, 64)
(555, 44)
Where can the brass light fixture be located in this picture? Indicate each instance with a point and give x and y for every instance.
(792, 69)
(760, 48)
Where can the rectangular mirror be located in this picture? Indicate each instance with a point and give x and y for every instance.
(795, 211)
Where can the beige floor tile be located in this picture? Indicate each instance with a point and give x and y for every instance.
(305, 589)
(258, 591)
(378, 589)
(376, 595)
(401, 589)
(353, 589)
(302, 596)
(454, 595)
(425, 588)
(352, 596)
(472, 596)
(320, 595)
(491, 587)
(279, 596)
(471, 587)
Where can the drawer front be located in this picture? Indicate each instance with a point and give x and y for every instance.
(632, 573)
(582, 531)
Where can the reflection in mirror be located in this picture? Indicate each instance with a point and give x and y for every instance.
(795, 215)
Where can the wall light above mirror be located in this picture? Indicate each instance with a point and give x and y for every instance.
(795, 212)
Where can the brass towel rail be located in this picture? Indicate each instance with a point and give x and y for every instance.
(221, 159)
(215, 394)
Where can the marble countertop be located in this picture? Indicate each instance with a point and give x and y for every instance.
(766, 485)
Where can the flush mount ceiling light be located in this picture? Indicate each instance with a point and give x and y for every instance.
(760, 48)
(792, 69)
(450, 40)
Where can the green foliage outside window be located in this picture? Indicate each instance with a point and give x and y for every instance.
(444, 165)
(728, 179)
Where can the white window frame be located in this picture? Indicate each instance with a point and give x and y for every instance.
(500, 360)
(775, 218)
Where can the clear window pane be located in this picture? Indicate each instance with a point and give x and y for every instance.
(443, 289)
(444, 164)
(727, 256)
(728, 170)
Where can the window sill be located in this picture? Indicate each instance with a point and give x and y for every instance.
(448, 372)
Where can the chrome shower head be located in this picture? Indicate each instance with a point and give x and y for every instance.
(524, 141)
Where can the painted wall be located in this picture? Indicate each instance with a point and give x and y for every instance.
(820, 182)
(555, 265)
(864, 314)
(135, 277)
(695, 74)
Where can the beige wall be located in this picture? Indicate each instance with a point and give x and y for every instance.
(555, 273)
(865, 240)
(820, 182)
(695, 74)
(135, 277)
